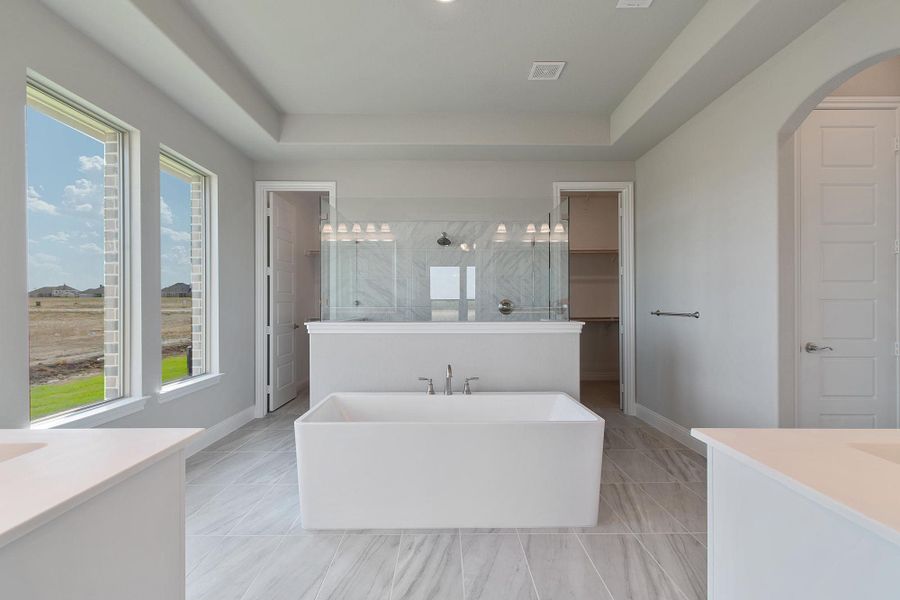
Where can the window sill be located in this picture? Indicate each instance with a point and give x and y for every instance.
(188, 386)
(98, 415)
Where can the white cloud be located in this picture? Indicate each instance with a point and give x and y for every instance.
(47, 262)
(91, 247)
(165, 212)
(82, 188)
(83, 207)
(90, 163)
(60, 237)
(178, 255)
(36, 204)
(176, 236)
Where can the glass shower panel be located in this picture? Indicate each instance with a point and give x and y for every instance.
(558, 268)
(391, 268)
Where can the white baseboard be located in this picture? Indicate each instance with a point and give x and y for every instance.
(213, 434)
(670, 428)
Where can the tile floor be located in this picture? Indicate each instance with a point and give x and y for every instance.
(245, 541)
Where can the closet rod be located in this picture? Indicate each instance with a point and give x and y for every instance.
(659, 313)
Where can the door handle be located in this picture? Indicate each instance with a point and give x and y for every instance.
(296, 326)
(811, 347)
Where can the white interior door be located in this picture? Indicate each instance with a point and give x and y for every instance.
(283, 301)
(848, 269)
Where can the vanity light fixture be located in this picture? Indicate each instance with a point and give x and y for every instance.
(545, 228)
(342, 228)
(558, 228)
(370, 228)
(327, 228)
(530, 228)
(385, 228)
(501, 228)
(356, 228)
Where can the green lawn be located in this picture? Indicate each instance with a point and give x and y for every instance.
(53, 398)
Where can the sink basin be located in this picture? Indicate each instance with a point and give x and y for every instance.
(10, 451)
(889, 452)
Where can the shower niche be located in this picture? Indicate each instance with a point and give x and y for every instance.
(443, 260)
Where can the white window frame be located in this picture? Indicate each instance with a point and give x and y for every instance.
(212, 375)
(73, 111)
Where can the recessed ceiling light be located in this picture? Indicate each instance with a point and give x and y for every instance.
(634, 3)
(446, 1)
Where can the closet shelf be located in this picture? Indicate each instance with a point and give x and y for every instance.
(593, 250)
(313, 252)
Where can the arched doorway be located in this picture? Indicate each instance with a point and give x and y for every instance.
(840, 169)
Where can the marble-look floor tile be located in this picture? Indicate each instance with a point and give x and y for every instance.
(683, 558)
(540, 530)
(270, 440)
(198, 546)
(274, 514)
(362, 569)
(224, 511)
(235, 440)
(628, 570)
(489, 530)
(374, 532)
(639, 512)
(637, 467)
(683, 465)
(229, 468)
(428, 568)
(196, 496)
(200, 463)
(614, 440)
(642, 438)
(561, 568)
(227, 570)
(684, 505)
(296, 570)
(610, 473)
(698, 487)
(495, 569)
(271, 467)
(607, 522)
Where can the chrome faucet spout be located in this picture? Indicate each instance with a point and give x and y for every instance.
(448, 382)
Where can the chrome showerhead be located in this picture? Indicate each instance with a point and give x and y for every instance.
(444, 240)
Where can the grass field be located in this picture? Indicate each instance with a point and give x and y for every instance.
(52, 398)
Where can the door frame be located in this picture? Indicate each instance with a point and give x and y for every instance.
(828, 103)
(627, 377)
(262, 229)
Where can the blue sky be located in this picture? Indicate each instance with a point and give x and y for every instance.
(65, 198)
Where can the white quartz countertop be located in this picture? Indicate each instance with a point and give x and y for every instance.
(44, 473)
(855, 472)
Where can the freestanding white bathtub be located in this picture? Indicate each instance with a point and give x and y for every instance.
(409, 460)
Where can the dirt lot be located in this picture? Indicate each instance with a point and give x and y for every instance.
(66, 335)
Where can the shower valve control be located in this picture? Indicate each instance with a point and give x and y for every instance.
(505, 307)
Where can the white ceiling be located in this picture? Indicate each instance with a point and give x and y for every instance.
(423, 56)
(401, 79)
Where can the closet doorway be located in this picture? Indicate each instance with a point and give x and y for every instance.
(601, 282)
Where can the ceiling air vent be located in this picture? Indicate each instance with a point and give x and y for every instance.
(545, 71)
(634, 3)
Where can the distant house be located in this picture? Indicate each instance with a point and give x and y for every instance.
(59, 291)
(96, 292)
(177, 290)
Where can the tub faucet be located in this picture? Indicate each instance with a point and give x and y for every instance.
(430, 389)
(448, 382)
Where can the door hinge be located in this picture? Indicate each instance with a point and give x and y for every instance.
(269, 211)
(896, 246)
(268, 329)
(897, 144)
(268, 270)
(896, 348)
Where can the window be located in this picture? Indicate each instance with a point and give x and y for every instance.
(76, 309)
(184, 270)
(452, 293)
